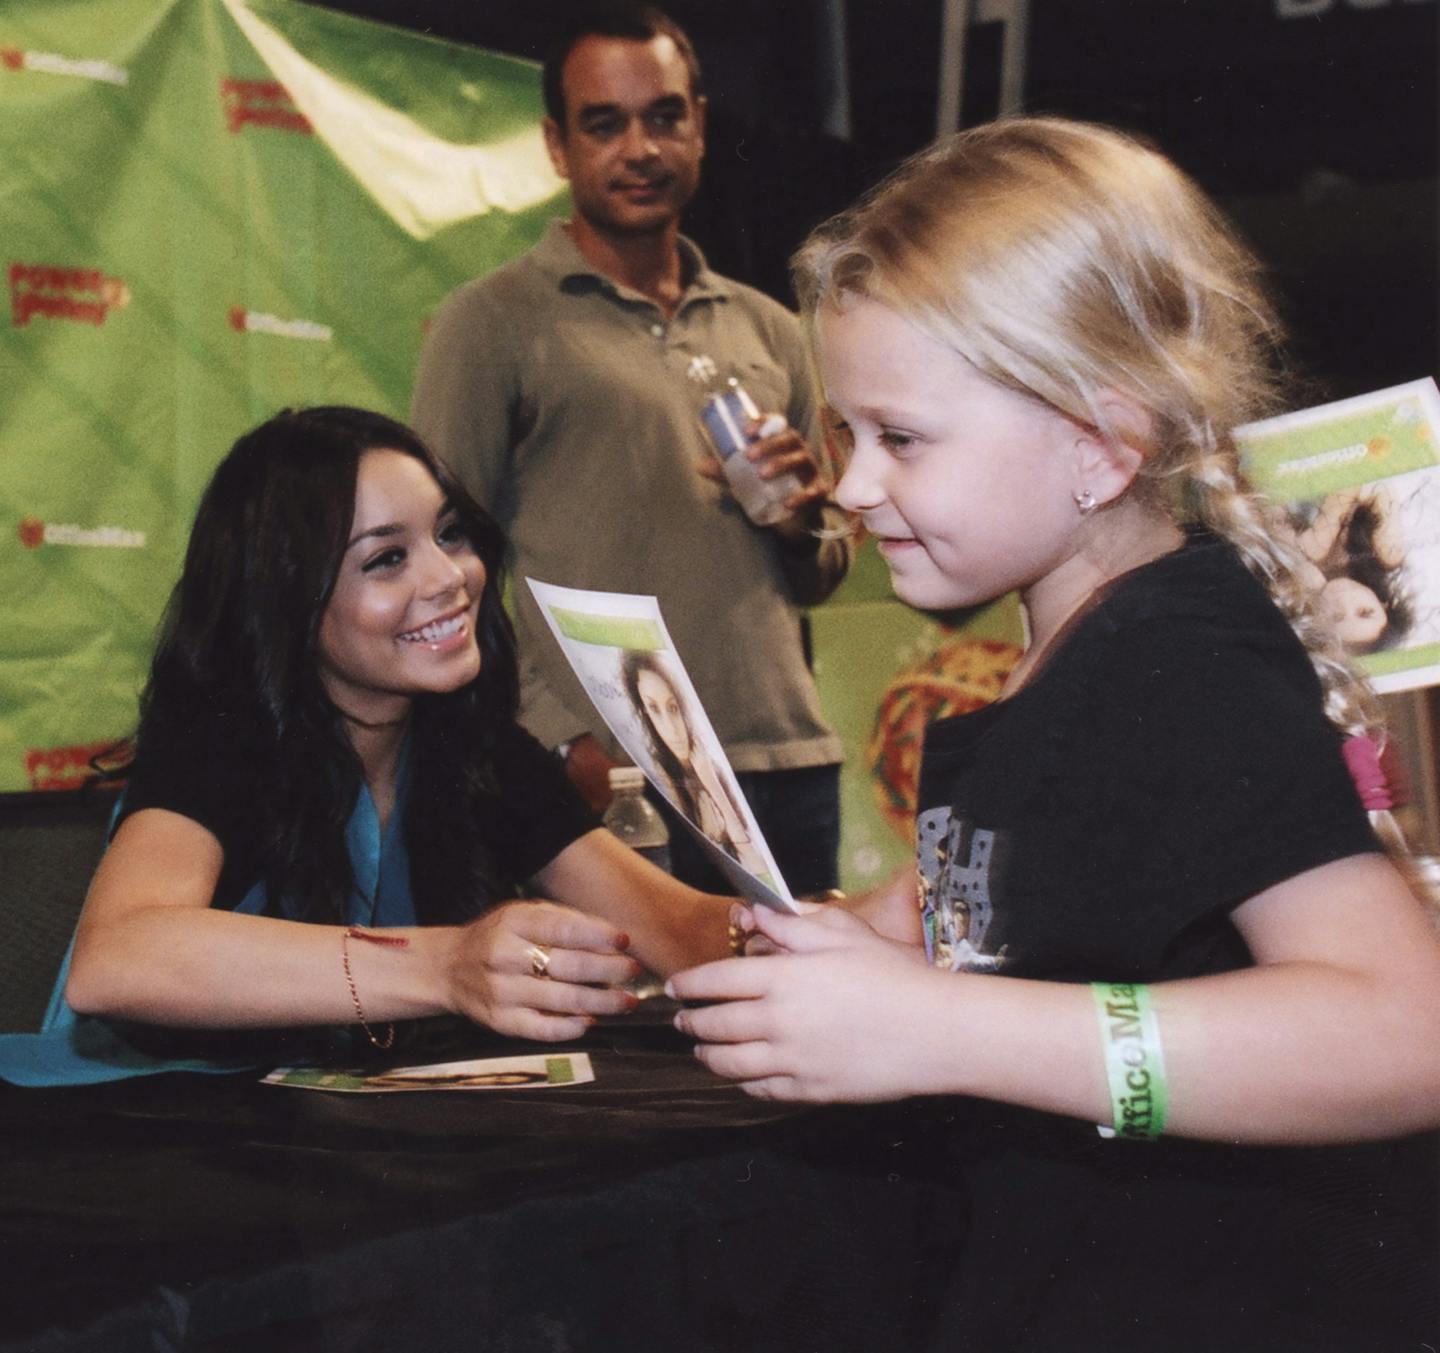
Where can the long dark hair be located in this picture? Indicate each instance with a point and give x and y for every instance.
(1356, 555)
(633, 662)
(237, 658)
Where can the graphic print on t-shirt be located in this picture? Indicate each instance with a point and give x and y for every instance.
(957, 867)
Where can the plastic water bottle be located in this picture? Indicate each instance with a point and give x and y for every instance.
(727, 415)
(632, 817)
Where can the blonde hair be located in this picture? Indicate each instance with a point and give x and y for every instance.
(1066, 261)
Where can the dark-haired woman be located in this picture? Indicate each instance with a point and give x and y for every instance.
(331, 806)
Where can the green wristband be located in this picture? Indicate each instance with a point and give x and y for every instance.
(1134, 1063)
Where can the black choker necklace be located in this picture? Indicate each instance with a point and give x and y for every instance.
(372, 727)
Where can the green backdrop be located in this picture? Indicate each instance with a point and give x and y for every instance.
(213, 209)
(208, 211)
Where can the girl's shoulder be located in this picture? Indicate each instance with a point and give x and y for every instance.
(1196, 611)
(1204, 587)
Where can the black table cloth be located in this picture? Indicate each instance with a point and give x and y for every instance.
(658, 1208)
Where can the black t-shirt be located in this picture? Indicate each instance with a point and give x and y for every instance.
(208, 778)
(201, 770)
(1170, 760)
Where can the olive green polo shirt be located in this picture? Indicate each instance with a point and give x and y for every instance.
(568, 405)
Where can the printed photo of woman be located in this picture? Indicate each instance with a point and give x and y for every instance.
(697, 786)
(1356, 561)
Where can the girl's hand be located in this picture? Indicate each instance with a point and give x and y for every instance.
(836, 1014)
(493, 982)
(747, 939)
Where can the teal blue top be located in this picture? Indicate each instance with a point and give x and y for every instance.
(73, 1049)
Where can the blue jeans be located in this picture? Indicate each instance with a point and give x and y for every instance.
(799, 814)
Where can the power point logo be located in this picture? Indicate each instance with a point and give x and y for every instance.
(84, 294)
(245, 321)
(261, 103)
(51, 63)
(34, 533)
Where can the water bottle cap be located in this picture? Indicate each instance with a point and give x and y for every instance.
(626, 777)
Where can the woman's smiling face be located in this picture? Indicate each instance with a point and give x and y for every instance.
(401, 618)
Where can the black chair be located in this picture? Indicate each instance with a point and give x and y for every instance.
(49, 846)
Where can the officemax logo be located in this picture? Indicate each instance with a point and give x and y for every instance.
(257, 322)
(261, 103)
(34, 533)
(84, 294)
(63, 767)
(52, 63)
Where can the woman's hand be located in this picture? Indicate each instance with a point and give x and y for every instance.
(893, 908)
(493, 980)
(836, 1013)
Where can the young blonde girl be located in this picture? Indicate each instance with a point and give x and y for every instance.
(1151, 897)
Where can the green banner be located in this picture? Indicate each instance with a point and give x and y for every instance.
(610, 631)
(1340, 446)
(212, 210)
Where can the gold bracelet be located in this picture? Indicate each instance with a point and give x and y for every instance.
(357, 933)
(737, 938)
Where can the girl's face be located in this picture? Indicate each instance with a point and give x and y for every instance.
(1355, 612)
(667, 717)
(401, 620)
(967, 486)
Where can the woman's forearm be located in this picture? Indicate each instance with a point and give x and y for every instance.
(670, 926)
(214, 969)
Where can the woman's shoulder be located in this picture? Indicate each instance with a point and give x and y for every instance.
(533, 810)
(200, 764)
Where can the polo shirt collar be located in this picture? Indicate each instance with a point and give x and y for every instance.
(559, 256)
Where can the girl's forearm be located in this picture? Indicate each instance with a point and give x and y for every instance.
(1289, 1053)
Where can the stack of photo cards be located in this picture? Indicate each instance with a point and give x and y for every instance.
(618, 646)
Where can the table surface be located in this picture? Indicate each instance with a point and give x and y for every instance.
(655, 1207)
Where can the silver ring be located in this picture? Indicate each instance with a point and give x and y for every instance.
(539, 960)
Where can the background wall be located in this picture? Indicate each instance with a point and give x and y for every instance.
(210, 211)
(1314, 121)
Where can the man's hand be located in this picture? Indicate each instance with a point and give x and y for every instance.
(783, 452)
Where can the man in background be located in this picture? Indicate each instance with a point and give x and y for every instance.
(565, 389)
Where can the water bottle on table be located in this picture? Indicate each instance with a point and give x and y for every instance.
(632, 817)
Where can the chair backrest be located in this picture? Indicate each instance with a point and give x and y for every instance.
(49, 846)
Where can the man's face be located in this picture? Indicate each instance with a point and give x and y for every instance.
(634, 134)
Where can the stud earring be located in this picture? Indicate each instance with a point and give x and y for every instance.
(1085, 501)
